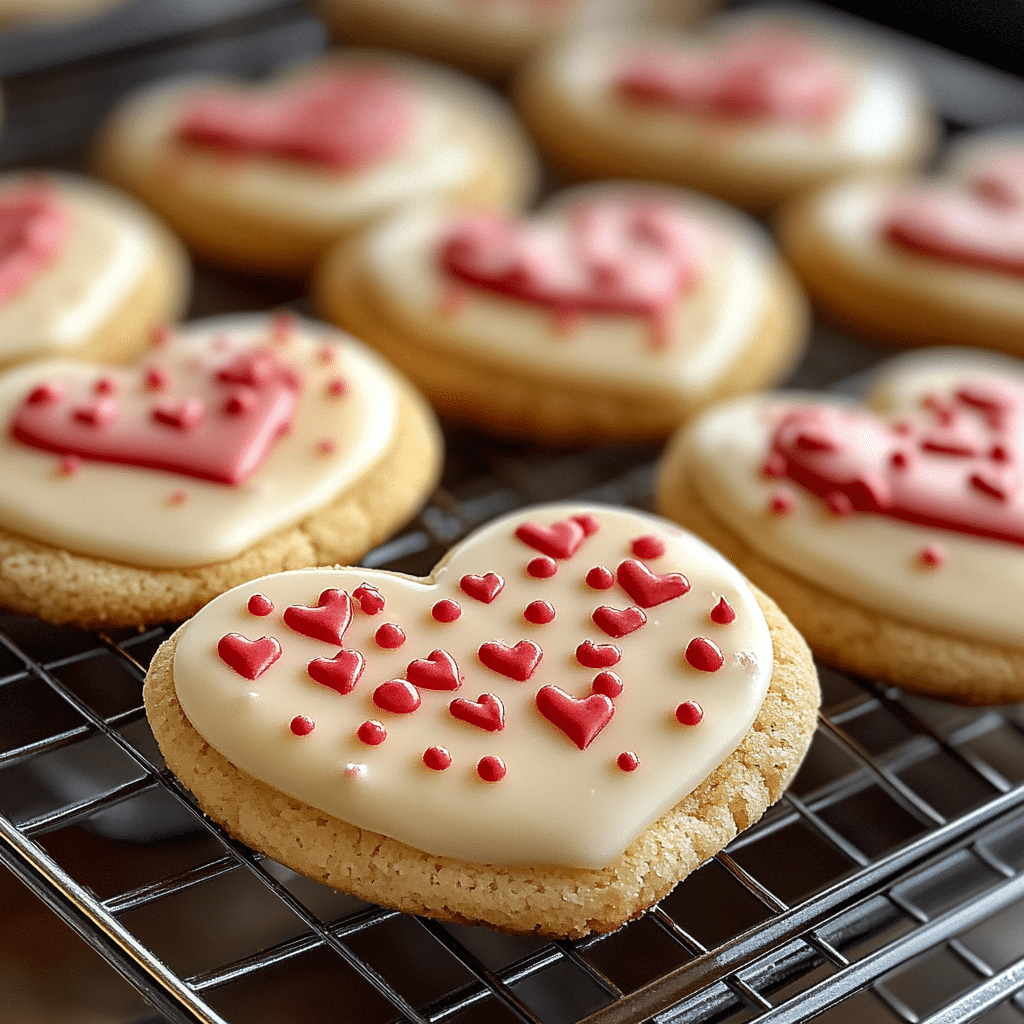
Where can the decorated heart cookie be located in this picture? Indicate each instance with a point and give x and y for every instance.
(225, 434)
(465, 715)
(265, 177)
(614, 312)
(754, 109)
(910, 512)
(83, 271)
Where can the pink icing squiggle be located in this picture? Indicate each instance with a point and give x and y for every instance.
(33, 227)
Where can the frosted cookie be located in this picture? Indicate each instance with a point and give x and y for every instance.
(237, 446)
(84, 271)
(921, 261)
(753, 110)
(265, 177)
(615, 312)
(576, 709)
(892, 536)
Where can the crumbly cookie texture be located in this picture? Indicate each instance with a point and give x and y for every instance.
(535, 900)
(64, 587)
(840, 631)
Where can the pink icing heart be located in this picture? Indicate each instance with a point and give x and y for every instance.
(437, 671)
(980, 225)
(621, 255)
(559, 540)
(914, 470)
(193, 434)
(580, 718)
(762, 74)
(591, 655)
(619, 622)
(340, 673)
(517, 662)
(482, 588)
(327, 621)
(341, 119)
(648, 589)
(33, 227)
(486, 712)
(249, 658)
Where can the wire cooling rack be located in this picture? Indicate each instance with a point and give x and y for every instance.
(887, 885)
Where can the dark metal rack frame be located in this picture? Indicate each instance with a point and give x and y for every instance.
(887, 884)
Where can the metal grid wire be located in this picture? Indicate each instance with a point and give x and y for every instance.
(887, 884)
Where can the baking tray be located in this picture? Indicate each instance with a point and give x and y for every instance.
(886, 885)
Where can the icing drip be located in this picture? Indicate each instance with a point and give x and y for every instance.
(33, 227)
(627, 256)
(341, 119)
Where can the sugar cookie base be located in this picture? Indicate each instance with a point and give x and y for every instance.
(63, 587)
(840, 631)
(542, 900)
(552, 408)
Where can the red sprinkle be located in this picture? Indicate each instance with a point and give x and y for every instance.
(491, 768)
(371, 600)
(780, 503)
(600, 578)
(437, 758)
(159, 336)
(260, 604)
(243, 400)
(106, 386)
(933, 555)
(178, 497)
(302, 725)
(446, 611)
(325, 446)
(326, 354)
(52, 391)
(689, 713)
(648, 546)
(397, 696)
(704, 655)
(607, 683)
(337, 387)
(628, 761)
(156, 378)
(539, 612)
(389, 636)
(723, 613)
(70, 465)
(542, 567)
(372, 733)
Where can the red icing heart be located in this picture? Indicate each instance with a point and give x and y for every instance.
(342, 119)
(33, 227)
(591, 655)
(896, 469)
(767, 73)
(979, 225)
(196, 435)
(559, 540)
(486, 712)
(622, 255)
(249, 658)
(482, 588)
(517, 662)
(437, 671)
(340, 673)
(581, 719)
(618, 622)
(371, 600)
(648, 589)
(327, 621)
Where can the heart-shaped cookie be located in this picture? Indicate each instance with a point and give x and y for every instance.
(226, 436)
(614, 312)
(83, 271)
(892, 537)
(481, 736)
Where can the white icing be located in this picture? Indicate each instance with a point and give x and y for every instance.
(710, 327)
(872, 560)
(109, 247)
(557, 804)
(127, 514)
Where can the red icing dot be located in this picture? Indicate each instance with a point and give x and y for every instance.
(933, 555)
(491, 768)
(106, 386)
(70, 465)
(723, 613)
(97, 414)
(591, 655)
(482, 588)
(999, 453)
(240, 402)
(600, 578)
(337, 387)
(156, 378)
(774, 466)
(780, 503)
(325, 446)
(372, 733)
(389, 636)
(446, 611)
(704, 654)
(839, 503)
(538, 612)
(302, 725)
(326, 354)
(590, 523)
(260, 604)
(627, 760)
(899, 460)
(542, 567)
(607, 683)
(437, 758)
(178, 497)
(51, 391)
(397, 696)
(648, 546)
(689, 713)
(371, 600)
